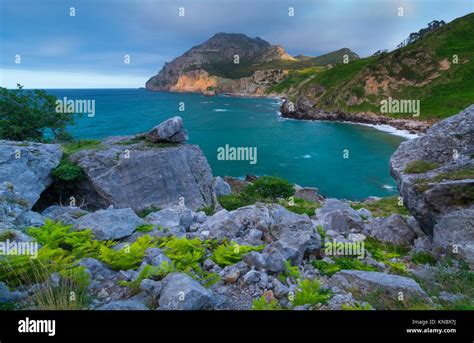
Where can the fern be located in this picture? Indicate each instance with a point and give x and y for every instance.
(309, 292)
(228, 254)
(130, 256)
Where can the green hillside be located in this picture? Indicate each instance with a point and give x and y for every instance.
(425, 70)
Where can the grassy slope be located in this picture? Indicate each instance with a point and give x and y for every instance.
(245, 68)
(441, 97)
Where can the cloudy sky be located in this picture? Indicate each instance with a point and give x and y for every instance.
(87, 50)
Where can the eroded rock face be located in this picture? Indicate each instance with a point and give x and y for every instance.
(27, 166)
(133, 172)
(437, 193)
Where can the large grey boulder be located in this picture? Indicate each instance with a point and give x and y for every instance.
(370, 282)
(454, 233)
(110, 224)
(393, 229)
(174, 216)
(132, 172)
(27, 166)
(339, 216)
(171, 130)
(182, 292)
(65, 214)
(447, 184)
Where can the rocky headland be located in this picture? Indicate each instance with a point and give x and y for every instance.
(136, 223)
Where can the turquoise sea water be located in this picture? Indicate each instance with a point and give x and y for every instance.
(306, 153)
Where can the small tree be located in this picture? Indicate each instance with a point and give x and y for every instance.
(27, 115)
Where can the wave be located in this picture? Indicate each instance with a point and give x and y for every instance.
(220, 110)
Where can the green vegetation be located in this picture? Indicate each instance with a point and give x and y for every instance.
(228, 254)
(460, 174)
(128, 257)
(232, 202)
(310, 292)
(383, 207)
(146, 211)
(261, 304)
(29, 115)
(269, 187)
(385, 252)
(420, 167)
(145, 228)
(421, 257)
(357, 307)
(148, 272)
(67, 173)
(301, 206)
(85, 144)
(341, 263)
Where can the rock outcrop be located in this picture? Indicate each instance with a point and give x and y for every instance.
(171, 130)
(435, 177)
(27, 167)
(134, 172)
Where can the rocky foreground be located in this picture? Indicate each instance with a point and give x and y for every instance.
(135, 223)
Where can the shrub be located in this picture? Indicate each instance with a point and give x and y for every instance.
(269, 187)
(341, 263)
(146, 211)
(310, 292)
(67, 172)
(232, 202)
(261, 304)
(78, 243)
(420, 167)
(27, 115)
(422, 257)
(129, 257)
(228, 254)
(186, 254)
(148, 272)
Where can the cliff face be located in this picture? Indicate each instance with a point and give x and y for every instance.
(212, 67)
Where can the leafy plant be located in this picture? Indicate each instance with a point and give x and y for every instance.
(357, 307)
(228, 254)
(186, 254)
(261, 304)
(310, 292)
(130, 256)
(422, 257)
(28, 115)
(148, 272)
(145, 228)
(341, 263)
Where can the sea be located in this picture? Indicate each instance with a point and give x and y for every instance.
(341, 160)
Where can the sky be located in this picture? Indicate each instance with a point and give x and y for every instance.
(88, 50)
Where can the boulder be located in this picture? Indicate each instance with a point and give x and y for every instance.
(393, 229)
(27, 167)
(182, 292)
(171, 130)
(339, 216)
(221, 187)
(369, 282)
(110, 224)
(156, 257)
(444, 179)
(308, 194)
(454, 234)
(174, 216)
(131, 172)
(97, 270)
(290, 233)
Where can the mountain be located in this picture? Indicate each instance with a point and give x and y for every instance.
(437, 69)
(212, 66)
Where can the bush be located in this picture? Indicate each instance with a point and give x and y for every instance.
(309, 292)
(232, 202)
(228, 254)
(67, 172)
(261, 304)
(341, 263)
(269, 187)
(129, 257)
(28, 115)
